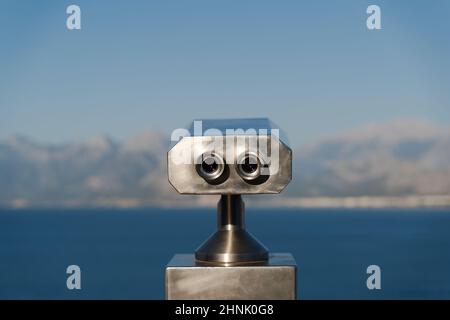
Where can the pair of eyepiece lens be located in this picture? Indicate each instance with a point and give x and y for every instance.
(212, 167)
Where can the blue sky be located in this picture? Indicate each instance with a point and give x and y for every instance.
(311, 66)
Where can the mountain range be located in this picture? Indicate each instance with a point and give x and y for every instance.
(400, 158)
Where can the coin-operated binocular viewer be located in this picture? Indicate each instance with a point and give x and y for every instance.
(231, 158)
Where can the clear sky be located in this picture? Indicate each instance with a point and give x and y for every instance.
(312, 66)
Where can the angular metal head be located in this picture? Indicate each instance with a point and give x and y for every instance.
(234, 156)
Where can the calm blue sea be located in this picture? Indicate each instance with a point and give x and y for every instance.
(122, 253)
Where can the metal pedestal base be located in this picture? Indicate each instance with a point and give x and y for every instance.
(186, 279)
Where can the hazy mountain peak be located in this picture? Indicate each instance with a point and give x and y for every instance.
(149, 140)
(394, 131)
(102, 143)
(26, 149)
(394, 158)
(18, 141)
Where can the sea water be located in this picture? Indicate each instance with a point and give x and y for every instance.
(122, 253)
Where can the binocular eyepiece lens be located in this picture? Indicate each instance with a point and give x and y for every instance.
(211, 167)
(249, 167)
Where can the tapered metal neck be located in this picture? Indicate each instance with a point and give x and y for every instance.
(230, 213)
(231, 244)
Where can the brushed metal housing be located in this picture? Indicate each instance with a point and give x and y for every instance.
(182, 157)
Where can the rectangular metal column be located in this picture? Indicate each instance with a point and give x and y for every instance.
(276, 280)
